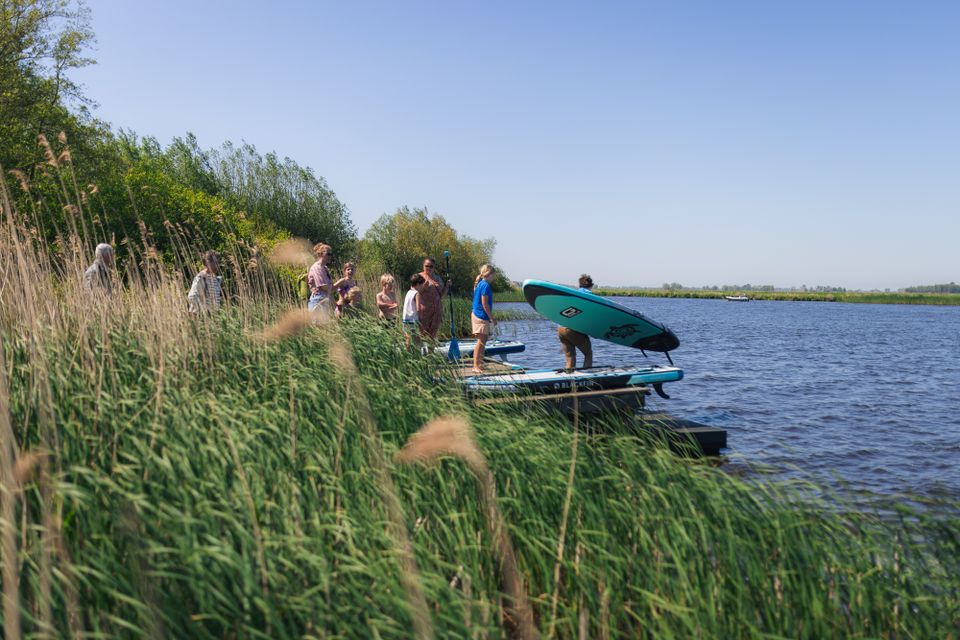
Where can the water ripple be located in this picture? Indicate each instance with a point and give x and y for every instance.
(861, 396)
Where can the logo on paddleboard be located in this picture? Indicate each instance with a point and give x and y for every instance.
(624, 331)
(569, 312)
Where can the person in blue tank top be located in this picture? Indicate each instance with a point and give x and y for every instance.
(573, 340)
(482, 314)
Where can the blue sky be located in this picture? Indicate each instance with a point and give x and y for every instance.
(811, 143)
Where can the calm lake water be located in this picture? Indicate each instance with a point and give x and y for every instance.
(862, 396)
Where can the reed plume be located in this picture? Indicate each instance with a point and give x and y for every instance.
(48, 153)
(445, 436)
(27, 464)
(291, 323)
(21, 180)
(295, 252)
(341, 356)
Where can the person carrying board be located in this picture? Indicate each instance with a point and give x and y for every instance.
(572, 340)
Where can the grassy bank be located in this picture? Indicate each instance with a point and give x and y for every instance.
(236, 476)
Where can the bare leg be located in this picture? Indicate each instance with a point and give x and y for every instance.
(587, 350)
(568, 346)
(478, 352)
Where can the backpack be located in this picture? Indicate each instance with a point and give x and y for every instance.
(303, 289)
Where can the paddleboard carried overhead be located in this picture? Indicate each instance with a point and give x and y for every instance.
(598, 317)
(493, 348)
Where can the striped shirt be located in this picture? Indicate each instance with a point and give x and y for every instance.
(205, 292)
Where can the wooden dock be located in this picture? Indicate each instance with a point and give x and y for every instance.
(684, 436)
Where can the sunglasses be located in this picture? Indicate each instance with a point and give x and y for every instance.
(428, 266)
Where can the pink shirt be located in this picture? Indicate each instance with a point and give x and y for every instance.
(317, 277)
(429, 301)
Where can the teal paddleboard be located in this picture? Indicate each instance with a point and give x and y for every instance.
(598, 317)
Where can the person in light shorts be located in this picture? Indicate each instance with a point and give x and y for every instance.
(481, 317)
(319, 280)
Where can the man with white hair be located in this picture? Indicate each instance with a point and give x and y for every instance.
(97, 277)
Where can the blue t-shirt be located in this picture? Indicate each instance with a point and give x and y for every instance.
(481, 291)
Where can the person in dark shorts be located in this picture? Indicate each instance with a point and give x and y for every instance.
(572, 340)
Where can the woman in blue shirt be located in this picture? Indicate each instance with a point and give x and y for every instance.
(482, 315)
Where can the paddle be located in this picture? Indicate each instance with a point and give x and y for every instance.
(453, 353)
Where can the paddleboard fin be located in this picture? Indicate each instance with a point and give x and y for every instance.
(658, 387)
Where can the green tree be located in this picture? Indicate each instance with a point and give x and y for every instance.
(398, 243)
(291, 196)
(41, 41)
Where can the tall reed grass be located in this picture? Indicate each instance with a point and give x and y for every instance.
(235, 476)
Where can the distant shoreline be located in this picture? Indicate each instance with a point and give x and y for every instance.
(858, 297)
(855, 297)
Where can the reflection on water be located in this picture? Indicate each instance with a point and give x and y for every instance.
(868, 394)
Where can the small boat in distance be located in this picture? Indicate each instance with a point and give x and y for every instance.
(737, 298)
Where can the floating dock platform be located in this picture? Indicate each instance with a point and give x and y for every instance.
(683, 436)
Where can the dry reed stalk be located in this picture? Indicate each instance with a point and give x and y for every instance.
(453, 436)
(337, 472)
(8, 533)
(53, 528)
(37, 310)
(341, 357)
(604, 611)
(583, 615)
(568, 498)
(252, 507)
(467, 601)
(295, 487)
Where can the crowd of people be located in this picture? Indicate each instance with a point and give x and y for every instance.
(421, 314)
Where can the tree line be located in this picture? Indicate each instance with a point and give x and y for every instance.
(70, 170)
(951, 287)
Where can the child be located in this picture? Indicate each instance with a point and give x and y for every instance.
(411, 319)
(386, 299)
(352, 304)
(482, 315)
(344, 285)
